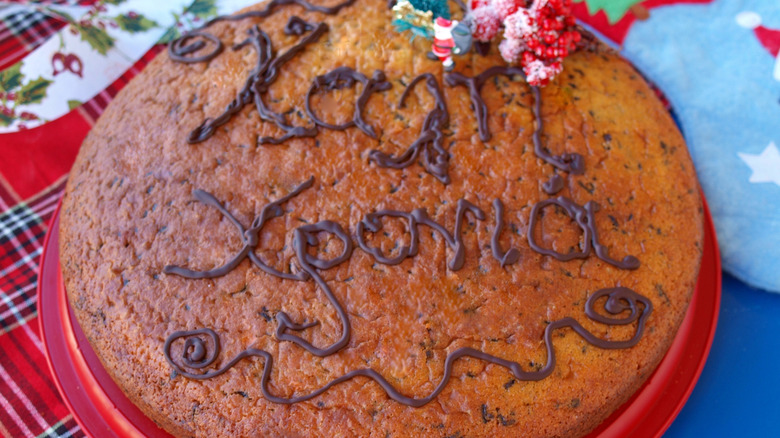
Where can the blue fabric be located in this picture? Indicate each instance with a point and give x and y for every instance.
(736, 395)
(719, 80)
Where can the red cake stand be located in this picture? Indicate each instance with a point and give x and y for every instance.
(103, 411)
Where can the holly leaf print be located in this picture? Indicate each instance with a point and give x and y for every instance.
(11, 77)
(114, 2)
(6, 120)
(171, 34)
(134, 23)
(203, 8)
(96, 37)
(615, 9)
(73, 103)
(33, 91)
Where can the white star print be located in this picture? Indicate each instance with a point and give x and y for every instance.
(765, 166)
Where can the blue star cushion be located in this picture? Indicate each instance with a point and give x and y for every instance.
(718, 65)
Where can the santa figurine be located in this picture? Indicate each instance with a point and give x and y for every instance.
(443, 42)
(450, 37)
(769, 38)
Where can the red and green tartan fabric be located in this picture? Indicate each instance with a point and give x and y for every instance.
(33, 168)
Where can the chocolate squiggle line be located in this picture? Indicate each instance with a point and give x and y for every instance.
(569, 162)
(585, 218)
(434, 158)
(345, 77)
(372, 222)
(619, 300)
(265, 72)
(512, 255)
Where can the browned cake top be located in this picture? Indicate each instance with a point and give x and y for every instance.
(141, 198)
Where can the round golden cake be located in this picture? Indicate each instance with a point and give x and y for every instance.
(408, 275)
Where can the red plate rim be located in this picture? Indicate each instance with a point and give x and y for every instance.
(102, 410)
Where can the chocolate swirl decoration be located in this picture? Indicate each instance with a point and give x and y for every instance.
(585, 218)
(195, 354)
(569, 162)
(618, 301)
(265, 72)
(249, 237)
(372, 222)
(181, 48)
(434, 158)
(346, 77)
(512, 255)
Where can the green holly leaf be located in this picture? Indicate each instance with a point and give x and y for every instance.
(615, 9)
(114, 2)
(171, 34)
(96, 37)
(33, 91)
(6, 120)
(60, 14)
(203, 8)
(72, 104)
(11, 77)
(135, 23)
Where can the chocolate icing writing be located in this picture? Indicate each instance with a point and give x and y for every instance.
(371, 222)
(260, 79)
(434, 158)
(345, 77)
(570, 162)
(474, 85)
(179, 49)
(273, 4)
(297, 26)
(249, 237)
(585, 218)
(553, 185)
(512, 255)
(303, 237)
(618, 300)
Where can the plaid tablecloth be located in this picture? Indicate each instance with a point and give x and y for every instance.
(33, 168)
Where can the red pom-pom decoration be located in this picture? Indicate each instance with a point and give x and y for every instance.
(486, 23)
(538, 34)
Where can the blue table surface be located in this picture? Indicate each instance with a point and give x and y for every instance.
(738, 393)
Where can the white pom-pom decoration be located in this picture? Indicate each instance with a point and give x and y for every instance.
(748, 19)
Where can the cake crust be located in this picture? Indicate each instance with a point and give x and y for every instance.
(130, 210)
